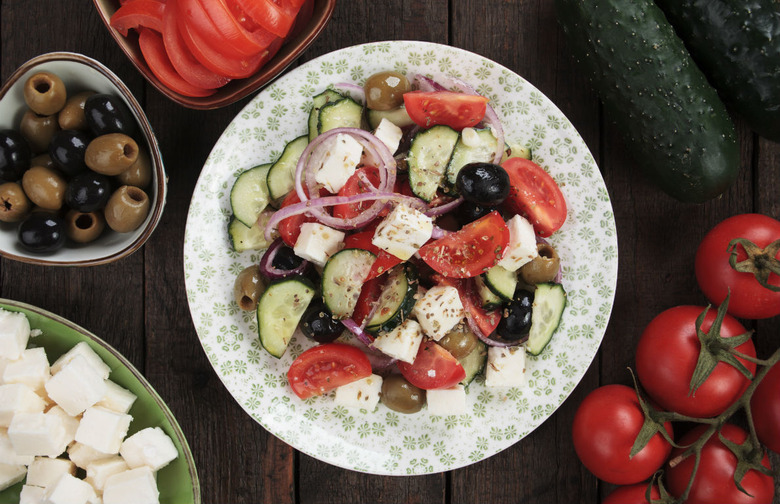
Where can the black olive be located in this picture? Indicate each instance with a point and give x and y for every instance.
(483, 183)
(67, 150)
(42, 232)
(88, 191)
(285, 259)
(318, 323)
(469, 211)
(516, 318)
(108, 114)
(15, 155)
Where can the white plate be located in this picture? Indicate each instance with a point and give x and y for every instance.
(385, 442)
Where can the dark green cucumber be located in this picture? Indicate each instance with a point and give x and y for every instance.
(474, 362)
(737, 46)
(344, 113)
(279, 310)
(675, 125)
(397, 299)
(342, 278)
(243, 237)
(327, 96)
(281, 175)
(428, 158)
(249, 195)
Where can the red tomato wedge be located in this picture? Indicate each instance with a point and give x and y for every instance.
(477, 316)
(323, 368)
(456, 110)
(472, 250)
(535, 195)
(433, 368)
(269, 15)
(369, 295)
(384, 260)
(290, 228)
(137, 13)
(356, 185)
(153, 49)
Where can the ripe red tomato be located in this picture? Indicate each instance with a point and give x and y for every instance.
(632, 494)
(290, 228)
(535, 195)
(456, 110)
(604, 430)
(765, 406)
(433, 368)
(749, 299)
(362, 240)
(472, 250)
(666, 357)
(715, 477)
(356, 185)
(323, 368)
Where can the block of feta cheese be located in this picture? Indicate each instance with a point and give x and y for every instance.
(83, 349)
(522, 244)
(70, 423)
(117, 398)
(3, 363)
(363, 393)
(340, 162)
(317, 243)
(31, 494)
(438, 311)
(17, 397)
(447, 401)
(135, 486)
(401, 343)
(69, 490)
(103, 429)
(82, 455)
(14, 334)
(36, 434)
(505, 367)
(389, 134)
(76, 386)
(98, 471)
(403, 232)
(8, 455)
(11, 475)
(45, 471)
(31, 369)
(148, 447)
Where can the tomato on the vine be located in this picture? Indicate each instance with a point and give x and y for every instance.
(456, 110)
(323, 368)
(765, 407)
(632, 494)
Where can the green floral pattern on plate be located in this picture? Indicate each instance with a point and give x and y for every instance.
(382, 441)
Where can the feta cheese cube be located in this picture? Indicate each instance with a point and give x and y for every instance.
(363, 393)
(45, 471)
(3, 363)
(403, 232)
(99, 470)
(340, 162)
(117, 398)
(401, 343)
(438, 311)
(389, 134)
(136, 486)
(31, 369)
(76, 386)
(69, 490)
(82, 455)
(18, 398)
(522, 244)
(11, 475)
(14, 334)
(505, 367)
(31, 494)
(8, 455)
(448, 401)
(36, 434)
(70, 423)
(82, 348)
(317, 243)
(148, 447)
(103, 429)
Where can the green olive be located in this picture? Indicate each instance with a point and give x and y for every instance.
(140, 173)
(127, 209)
(14, 204)
(72, 116)
(111, 154)
(44, 160)
(460, 341)
(400, 395)
(248, 287)
(45, 187)
(385, 90)
(45, 93)
(542, 268)
(84, 227)
(38, 130)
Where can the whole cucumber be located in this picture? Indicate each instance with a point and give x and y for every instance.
(736, 43)
(677, 128)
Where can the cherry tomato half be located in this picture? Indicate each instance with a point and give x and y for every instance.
(456, 110)
(433, 368)
(535, 195)
(323, 368)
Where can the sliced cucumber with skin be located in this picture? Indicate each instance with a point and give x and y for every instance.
(244, 237)
(490, 301)
(474, 363)
(281, 175)
(481, 148)
(249, 195)
(549, 302)
(320, 100)
(279, 310)
(342, 278)
(501, 282)
(513, 151)
(344, 113)
(397, 299)
(398, 116)
(428, 158)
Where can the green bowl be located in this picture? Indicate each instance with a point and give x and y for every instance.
(178, 481)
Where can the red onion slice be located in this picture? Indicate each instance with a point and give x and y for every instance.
(355, 92)
(267, 267)
(445, 208)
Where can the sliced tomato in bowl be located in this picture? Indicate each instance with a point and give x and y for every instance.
(456, 110)
(153, 49)
(138, 13)
(535, 195)
(323, 368)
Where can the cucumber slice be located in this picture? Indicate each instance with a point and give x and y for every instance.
(481, 148)
(428, 158)
(490, 301)
(474, 362)
(321, 99)
(549, 302)
(398, 116)
(342, 278)
(249, 195)
(501, 282)
(281, 175)
(345, 113)
(243, 237)
(397, 299)
(279, 310)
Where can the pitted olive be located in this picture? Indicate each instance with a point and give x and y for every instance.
(543, 268)
(84, 227)
(14, 204)
(88, 191)
(385, 90)
(45, 187)
(459, 342)
(127, 209)
(108, 114)
(42, 232)
(400, 395)
(111, 154)
(45, 93)
(140, 173)
(14, 155)
(38, 130)
(67, 150)
(72, 114)
(248, 287)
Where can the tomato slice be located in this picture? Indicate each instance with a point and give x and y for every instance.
(535, 195)
(472, 250)
(137, 13)
(456, 110)
(323, 368)
(369, 295)
(384, 260)
(269, 15)
(290, 228)
(234, 35)
(356, 185)
(153, 50)
(433, 368)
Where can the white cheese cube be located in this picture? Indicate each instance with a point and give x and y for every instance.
(70, 423)
(31, 369)
(11, 475)
(136, 486)
(103, 429)
(3, 363)
(82, 348)
(403, 232)
(505, 367)
(363, 393)
(117, 398)
(14, 334)
(148, 447)
(69, 490)
(389, 134)
(17, 397)
(82, 455)
(401, 343)
(448, 401)
(522, 244)
(31, 494)
(339, 163)
(317, 243)
(8, 455)
(76, 386)
(36, 434)
(45, 471)
(438, 311)
(99, 470)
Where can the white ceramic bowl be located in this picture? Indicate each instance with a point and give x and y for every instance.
(81, 73)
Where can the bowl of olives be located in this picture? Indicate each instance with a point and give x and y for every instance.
(82, 180)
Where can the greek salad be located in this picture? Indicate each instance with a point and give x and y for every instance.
(404, 219)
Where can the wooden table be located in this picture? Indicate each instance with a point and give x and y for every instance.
(138, 304)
